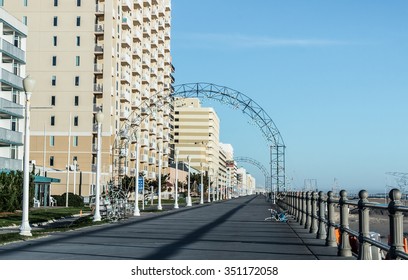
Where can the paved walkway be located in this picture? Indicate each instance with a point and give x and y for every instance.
(228, 230)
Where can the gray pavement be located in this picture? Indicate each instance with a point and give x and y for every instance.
(228, 230)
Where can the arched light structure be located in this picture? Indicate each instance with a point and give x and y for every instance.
(227, 96)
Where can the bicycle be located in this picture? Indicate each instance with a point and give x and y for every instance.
(277, 216)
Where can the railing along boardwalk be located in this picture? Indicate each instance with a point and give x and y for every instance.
(317, 211)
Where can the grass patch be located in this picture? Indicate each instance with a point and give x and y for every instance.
(40, 215)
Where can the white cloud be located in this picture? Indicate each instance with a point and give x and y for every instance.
(214, 40)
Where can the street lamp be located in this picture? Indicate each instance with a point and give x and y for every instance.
(176, 198)
(202, 186)
(209, 184)
(99, 118)
(75, 169)
(136, 211)
(159, 206)
(188, 194)
(25, 229)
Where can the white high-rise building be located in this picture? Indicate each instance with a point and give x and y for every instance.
(13, 35)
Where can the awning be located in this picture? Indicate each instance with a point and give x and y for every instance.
(42, 179)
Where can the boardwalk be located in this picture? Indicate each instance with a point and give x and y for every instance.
(229, 230)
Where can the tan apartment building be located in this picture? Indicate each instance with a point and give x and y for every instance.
(196, 134)
(86, 56)
(13, 35)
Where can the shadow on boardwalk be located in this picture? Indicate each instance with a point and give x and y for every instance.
(227, 230)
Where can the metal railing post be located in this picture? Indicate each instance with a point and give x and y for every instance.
(364, 248)
(303, 209)
(313, 225)
(396, 224)
(308, 209)
(344, 248)
(321, 231)
(331, 236)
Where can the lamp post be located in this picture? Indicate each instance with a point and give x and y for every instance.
(188, 192)
(176, 206)
(136, 211)
(75, 170)
(215, 186)
(25, 229)
(99, 119)
(202, 186)
(209, 184)
(159, 205)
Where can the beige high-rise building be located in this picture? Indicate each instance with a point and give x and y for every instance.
(196, 134)
(86, 56)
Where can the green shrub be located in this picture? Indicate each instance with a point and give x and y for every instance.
(11, 191)
(74, 200)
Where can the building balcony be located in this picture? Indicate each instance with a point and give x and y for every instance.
(98, 49)
(126, 58)
(152, 160)
(126, 40)
(152, 175)
(98, 68)
(126, 22)
(11, 79)
(125, 77)
(165, 164)
(144, 142)
(98, 88)
(9, 137)
(11, 51)
(123, 171)
(135, 103)
(99, 29)
(125, 97)
(138, 3)
(123, 115)
(137, 51)
(11, 164)
(143, 158)
(127, 5)
(10, 109)
(152, 131)
(137, 17)
(123, 153)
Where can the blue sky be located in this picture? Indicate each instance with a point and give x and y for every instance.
(332, 75)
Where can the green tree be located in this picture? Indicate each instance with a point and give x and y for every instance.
(11, 190)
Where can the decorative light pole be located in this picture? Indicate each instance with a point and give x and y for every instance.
(136, 211)
(201, 185)
(209, 184)
(99, 119)
(176, 206)
(159, 206)
(75, 170)
(188, 192)
(25, 229)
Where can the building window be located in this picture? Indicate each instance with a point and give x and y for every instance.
(52, 141)
(54, 41)
(52, 120)
(78, 21)
(76, 80)
(76, 120)
(78, 40)
(75, 141)
(53, 100)
(54, 80)
(51, 160)
(1, 3)
(77, 60)
(54, 60)
(14, 124)
(23, 20)
(78, 3)
(55, 22)
(55, 3)
(25, 2)
(76, 100)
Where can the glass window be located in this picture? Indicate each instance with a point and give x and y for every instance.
(78, 40)
(52, 120)
(54, 40)
(77, 60)
(78, 3)
(51, 160)
(55, 22)
(1, 3)
(25, 2)
(54, 60)
(76, 120)
(52, 141)
(54, 80)
(78, 21)
(55, 3)
(76, 100)
(53, 100)
(23, 20)
(77, 80)
(75, 141)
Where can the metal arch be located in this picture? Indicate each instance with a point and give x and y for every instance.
(227, 96)
(257, 164)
